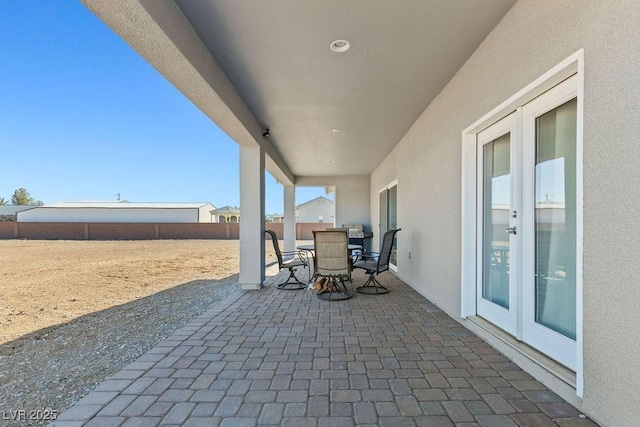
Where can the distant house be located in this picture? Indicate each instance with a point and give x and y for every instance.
(226, 214)
(119, 211)
(319, 209)
(274, 218)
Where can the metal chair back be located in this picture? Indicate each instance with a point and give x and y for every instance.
(276, 246)
(385, 250)
(331, 253)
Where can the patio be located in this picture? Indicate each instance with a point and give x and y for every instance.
(276, 357)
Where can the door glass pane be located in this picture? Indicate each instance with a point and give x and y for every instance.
(392, 200)
(555, 219)
(383, 212)
(496, 207)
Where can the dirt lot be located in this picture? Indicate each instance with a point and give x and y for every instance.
(72, 313)
(45, 283)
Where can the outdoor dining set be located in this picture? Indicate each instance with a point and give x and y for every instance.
(330, 261)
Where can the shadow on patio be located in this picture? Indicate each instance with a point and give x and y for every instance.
(274, 357)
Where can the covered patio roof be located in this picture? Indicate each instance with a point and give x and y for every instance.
(252, 65)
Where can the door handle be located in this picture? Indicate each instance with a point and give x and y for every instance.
(511, 230)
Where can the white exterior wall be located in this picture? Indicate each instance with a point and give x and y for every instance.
(531, 39)
(44, 214)
(252, 273)
(289, 227)
(352, 201)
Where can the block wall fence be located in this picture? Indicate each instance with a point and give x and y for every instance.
(139, 231)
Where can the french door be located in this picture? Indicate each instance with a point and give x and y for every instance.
(498, 207)
(527, 223)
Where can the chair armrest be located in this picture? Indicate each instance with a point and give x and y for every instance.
(366, 255)
(292, 253)
(300, 254)
(370, 255)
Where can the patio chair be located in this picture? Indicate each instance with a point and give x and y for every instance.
(352, 254)
(375, 263)
(290, 260)
(332, 261)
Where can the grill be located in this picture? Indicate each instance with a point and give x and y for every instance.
(357, 235)
(356, 231)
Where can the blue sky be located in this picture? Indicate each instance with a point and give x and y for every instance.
(83, 117)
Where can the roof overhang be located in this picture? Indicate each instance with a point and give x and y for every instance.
(254, 64)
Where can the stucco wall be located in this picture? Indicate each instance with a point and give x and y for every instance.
(139, 231)
(532, 38)
(352, 201)
(7, 230)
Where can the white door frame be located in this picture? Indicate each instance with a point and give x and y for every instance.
(392, 184)
(574, 64)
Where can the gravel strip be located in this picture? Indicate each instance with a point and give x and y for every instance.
(56, 367)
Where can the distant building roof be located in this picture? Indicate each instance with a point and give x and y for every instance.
(127, 205)
(14, 209)
(226, 210)
(313, 200)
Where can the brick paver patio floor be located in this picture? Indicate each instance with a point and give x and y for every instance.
(274, 357)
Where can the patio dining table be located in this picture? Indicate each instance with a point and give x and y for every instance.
(311, 248)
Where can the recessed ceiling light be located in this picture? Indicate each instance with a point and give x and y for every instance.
(332, 161)
(335, 130)
(340, 46)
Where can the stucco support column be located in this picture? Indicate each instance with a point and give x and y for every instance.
(289, 217)
(252, 223)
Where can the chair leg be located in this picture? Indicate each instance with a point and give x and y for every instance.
(372, 287)
(292, 283)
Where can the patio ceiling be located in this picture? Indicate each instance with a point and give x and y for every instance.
(340, 113)
(256, 64)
